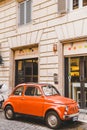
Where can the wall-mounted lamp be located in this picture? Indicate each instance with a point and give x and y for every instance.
(20, 50)
(31, 49)
(54, 47)
(71, 44)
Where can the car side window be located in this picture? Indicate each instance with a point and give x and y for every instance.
(19, 91)
(32, 91)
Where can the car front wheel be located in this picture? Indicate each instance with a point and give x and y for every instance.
(9, 113)
(52, 120)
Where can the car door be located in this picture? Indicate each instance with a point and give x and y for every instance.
(17, 98)
(33, 101)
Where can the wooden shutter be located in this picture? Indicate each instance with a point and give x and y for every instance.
(28, 11)
(21, 14)
(62, 6)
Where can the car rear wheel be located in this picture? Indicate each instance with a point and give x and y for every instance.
(52, 120)
(9, 113)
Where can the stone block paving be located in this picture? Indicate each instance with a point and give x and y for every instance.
(83, 115)
(15, 125)
(20, 124)
(26, 123)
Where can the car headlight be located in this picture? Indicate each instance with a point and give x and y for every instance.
(66, 108)
(78, 105)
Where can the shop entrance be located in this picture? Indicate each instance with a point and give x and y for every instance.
(26, 71)
(76, 79)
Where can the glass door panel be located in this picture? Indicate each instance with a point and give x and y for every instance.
(31, 70)
(85, 94)
(74, 69)
(35, 70)
(19, 74)
(26, 71)
(85, 80)
(75, 82)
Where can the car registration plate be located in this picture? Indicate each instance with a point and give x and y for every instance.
(75, 118)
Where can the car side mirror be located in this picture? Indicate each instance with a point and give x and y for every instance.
(42, 96)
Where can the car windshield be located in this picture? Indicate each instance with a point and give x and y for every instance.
(50, 90)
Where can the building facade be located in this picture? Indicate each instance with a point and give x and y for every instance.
(45, 41)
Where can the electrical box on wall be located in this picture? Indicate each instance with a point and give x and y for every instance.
(55, 78)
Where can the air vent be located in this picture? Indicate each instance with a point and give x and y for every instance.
(62, 6)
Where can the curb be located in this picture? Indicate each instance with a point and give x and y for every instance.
(84, 121)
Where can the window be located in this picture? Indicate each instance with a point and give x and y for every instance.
(25, 12)
(19, 91)
(84, 2)
(75, 4)
(50, 90)
(32, 91)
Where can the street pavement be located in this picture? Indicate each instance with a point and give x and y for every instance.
(28, 123)
(83, 115)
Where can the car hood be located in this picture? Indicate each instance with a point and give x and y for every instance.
(60, 100)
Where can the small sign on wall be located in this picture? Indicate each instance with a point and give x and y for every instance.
(26, 53)
(75, 48)
(55, 76)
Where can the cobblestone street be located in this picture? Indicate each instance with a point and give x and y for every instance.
(19, 124)
(26, 123)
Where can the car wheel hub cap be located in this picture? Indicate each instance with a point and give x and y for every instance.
(52, 120)
(9, 113)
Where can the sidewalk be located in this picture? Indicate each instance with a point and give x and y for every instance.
(83, 115)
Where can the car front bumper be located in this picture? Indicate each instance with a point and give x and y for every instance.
(72, 116)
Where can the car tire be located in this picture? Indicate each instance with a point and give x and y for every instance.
(9, 113)
(52, 120)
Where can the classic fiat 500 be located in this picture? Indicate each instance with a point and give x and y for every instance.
(41, 100)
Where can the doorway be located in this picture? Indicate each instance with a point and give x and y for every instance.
(26, 71)
(76, 79)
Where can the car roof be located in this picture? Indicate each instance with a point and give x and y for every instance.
(33, 83)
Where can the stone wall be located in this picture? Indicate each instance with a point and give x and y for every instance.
(46, 28)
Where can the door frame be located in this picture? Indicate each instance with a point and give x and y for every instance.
(81, 78)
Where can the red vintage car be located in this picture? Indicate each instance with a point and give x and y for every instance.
(41, 100)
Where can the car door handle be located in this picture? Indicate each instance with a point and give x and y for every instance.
(22, 98)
